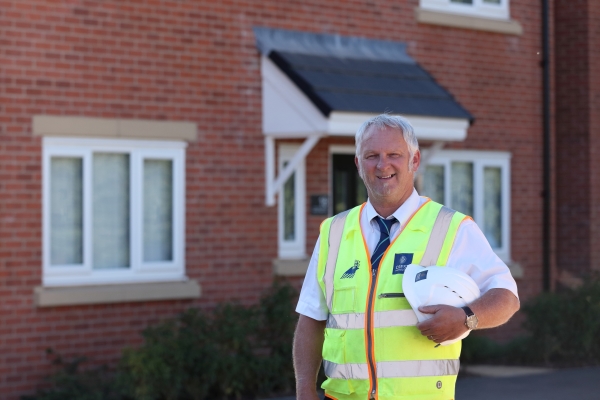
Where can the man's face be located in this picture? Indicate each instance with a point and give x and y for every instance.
(383, 165)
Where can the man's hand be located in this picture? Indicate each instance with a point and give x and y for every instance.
(447, 323)
(492, 309)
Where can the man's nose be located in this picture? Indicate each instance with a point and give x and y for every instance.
(382, 162)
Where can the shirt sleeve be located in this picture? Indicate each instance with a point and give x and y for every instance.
(312, 302)
(473, 255)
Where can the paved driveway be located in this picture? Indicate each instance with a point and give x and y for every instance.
(510, 383)
(565, 384)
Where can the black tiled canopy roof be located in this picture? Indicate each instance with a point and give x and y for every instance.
(371, 85)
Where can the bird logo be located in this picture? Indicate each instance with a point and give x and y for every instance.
(350, 273)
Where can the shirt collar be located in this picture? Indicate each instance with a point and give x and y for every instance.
(403, 213)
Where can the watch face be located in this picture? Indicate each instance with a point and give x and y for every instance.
(472, 322)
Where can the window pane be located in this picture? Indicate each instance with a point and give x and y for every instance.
(461, 182)
(110, 210)
(433, 183)
(158, 210)
(492, 205)
(340, 187)
(66, 211)
(289, 208)
(492, 1)
(462, 1)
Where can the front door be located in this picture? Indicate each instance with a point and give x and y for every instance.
(348, 188)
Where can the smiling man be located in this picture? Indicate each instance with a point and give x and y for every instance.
(353, 314)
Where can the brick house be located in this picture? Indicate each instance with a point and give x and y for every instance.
(159, 155)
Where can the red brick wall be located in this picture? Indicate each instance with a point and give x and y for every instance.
(196, 61)
(593, 21)
(578, 136)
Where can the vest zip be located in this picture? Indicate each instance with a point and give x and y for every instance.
(390, 295)
(369, 327)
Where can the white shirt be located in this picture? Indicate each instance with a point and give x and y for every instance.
(471, 253)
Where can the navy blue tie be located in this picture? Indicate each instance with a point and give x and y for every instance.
(385, 225)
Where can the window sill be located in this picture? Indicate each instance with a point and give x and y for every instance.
(83, 295)
(290, 267)
(52, 125)
(509, 27)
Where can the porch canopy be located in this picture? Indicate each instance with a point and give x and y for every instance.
(317, 85)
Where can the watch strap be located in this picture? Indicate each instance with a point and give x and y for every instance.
(468, 311)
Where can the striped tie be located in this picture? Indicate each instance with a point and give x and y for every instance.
(384, 240)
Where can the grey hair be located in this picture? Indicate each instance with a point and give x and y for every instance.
(389, 121)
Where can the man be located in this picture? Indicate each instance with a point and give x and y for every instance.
(352, 311)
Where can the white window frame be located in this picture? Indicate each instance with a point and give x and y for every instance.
(292, 249)
(480, 160)
(478, 9)
(139, 271)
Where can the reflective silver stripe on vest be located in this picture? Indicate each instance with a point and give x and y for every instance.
(393, 369)
(437, 237)
(336, 229)
(382, 319)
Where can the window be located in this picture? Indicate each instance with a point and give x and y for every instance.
(476, 183)
(113, 211)
(292, 208)
(497, 9)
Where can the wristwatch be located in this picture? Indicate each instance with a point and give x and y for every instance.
(471, 321)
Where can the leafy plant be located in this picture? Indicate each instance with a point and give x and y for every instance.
(562, 330)
(71, 382)
(232, 352)
(565, 326)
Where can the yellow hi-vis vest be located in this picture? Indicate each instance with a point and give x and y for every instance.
(372, 348)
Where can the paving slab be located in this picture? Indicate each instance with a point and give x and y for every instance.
(561, 384)
(487, 382)
(501, 371)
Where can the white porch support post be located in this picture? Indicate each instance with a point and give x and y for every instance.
(274, 186)
(269, 170)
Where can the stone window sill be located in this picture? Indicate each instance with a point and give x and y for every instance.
(290, 267)
(509, 27)
(52, 125)
(104, 294)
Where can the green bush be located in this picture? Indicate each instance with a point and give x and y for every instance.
(562, 330)
(232, 352)
(72, 382)
(565, 326)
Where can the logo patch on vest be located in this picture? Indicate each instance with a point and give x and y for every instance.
(438, 384)
(421, 275)
(350, 273)
(401, 261)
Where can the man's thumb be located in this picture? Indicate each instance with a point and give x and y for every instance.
(428, 309)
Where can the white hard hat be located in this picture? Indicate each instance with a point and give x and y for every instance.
(438, 285)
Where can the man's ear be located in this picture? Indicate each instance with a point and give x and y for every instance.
(416, 161)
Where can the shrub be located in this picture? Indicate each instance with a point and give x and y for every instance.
(562, 330)
(231, 352)
(565, 326)
(72, 382)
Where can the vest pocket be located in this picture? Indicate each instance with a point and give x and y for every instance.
(334, 353)
(344, 300)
